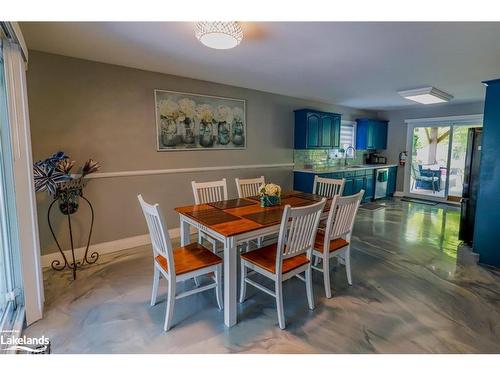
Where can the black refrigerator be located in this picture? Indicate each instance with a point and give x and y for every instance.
(471, 185)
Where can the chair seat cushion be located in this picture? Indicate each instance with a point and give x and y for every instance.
(265, 258)
(190, 258)
(335, 244)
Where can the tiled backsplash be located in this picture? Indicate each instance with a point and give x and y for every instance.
(323, 158)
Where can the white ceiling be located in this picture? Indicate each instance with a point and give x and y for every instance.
(361, 65)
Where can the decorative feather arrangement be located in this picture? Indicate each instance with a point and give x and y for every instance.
(90, 166)
(53, 174)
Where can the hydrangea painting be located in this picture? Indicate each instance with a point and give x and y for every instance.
(199, 122)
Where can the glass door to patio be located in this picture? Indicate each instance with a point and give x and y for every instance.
(437, 162)
(429, 161)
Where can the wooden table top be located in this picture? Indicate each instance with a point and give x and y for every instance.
(237, 216)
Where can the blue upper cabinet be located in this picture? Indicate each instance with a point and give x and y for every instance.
(316, 129)
(371, 134)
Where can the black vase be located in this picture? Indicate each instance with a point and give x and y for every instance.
(68, 200)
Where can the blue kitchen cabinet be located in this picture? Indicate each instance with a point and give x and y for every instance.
(355, 181)
(336, 175)
(391, 181)
(348, 186)
(359, 184)
(316, 129)
(349, 183)
(303, 181)
(369, 185)
(371, 134)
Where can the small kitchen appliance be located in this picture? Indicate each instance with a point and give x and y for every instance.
(374, 158)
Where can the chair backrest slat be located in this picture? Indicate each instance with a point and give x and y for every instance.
(160, 240)
(328, 187)
(249, 187)
(208, 192)
(298, 231)
(341, 217)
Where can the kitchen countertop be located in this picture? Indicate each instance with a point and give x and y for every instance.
(348, 168)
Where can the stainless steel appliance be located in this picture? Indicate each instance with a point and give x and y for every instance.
(471, 185)
(374, 158)
(381, 177)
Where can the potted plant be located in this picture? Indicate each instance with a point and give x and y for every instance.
(54, 176)
(270, 195)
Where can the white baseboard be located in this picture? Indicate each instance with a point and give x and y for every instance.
(399, 194)
(107, 247)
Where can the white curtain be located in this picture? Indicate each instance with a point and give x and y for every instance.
(29, 245)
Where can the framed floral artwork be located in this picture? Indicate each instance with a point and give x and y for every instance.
(186, 121)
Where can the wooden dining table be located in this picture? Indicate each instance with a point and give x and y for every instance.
(234, 222)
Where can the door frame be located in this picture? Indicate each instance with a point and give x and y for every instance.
(451, 121)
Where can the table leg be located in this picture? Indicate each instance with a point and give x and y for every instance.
(230, 282)
(185, 227)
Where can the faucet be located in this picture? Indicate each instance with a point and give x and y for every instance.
(345, 154)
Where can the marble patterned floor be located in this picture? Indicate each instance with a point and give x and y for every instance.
(409, 296)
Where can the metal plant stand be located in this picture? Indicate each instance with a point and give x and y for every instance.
(68, 205)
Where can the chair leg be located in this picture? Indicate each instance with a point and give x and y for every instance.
(316, 261)
(243, 287)
(309, 289)
(156, 281)
(170, 304)
(279, 303)
(218, 288)
(259, 241)
(326, 277)
(214, 245)
(200, 241)
(347, 259)
(196, 281)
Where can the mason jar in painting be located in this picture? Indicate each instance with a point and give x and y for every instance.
(223, 133)
(238, 134)
(169, 132)
(188, 136)
(206, 134)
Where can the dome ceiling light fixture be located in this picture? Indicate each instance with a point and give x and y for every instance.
(219, 35)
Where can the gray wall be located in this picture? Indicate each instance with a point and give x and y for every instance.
(396, 139)
(106, 112)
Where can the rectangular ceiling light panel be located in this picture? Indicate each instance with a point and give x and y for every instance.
(426, 95)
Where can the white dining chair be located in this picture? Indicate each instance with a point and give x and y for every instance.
(289, 257)
(178, 264)
(328, 187)
(249, 187)
(209, 192)
(335, 241)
